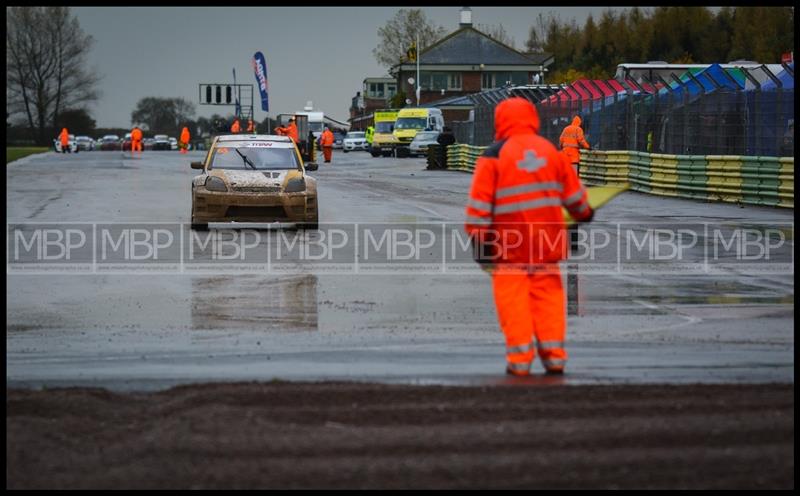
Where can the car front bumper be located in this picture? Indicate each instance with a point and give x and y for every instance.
(218, 206)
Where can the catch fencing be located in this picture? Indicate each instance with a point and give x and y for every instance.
(748, 112)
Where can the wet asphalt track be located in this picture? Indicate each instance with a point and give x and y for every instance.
(147, 331)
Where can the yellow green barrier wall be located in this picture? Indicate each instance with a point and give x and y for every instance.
(728, 178)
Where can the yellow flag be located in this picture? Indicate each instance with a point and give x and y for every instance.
(411, 53)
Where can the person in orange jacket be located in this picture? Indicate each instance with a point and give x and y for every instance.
(184, 143)
(517, 228)
(136, 141)
(251, 127)
(326, 140)
(236, 127)
(64, 138)
(572, 138)
(290, 130)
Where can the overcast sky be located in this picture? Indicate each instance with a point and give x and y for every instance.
(320, 54)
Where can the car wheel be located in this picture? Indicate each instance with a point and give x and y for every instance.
(344, 151)
(199, 226)
(308, 226)
(374, 154)
(313, 224)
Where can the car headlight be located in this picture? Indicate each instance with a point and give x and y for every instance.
(295, 185)
(214, 183)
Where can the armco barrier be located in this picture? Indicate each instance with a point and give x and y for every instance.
(729, 178)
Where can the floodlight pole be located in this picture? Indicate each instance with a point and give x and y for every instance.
(416, 54)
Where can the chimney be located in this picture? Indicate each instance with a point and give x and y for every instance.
(466, 17)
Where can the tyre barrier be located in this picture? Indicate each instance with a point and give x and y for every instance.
(463, 157)
(765, 181)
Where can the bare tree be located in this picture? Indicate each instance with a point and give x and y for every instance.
(537, 35)
(499, 33)
(401, 32)
(46, 52)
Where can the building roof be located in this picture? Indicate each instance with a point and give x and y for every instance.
(389, 79)
(470, 46)
(453, 101)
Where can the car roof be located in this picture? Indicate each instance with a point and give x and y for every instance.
(254, 137)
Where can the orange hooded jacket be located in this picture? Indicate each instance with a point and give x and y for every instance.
(518, 188)
(571, 138)
(327, 138)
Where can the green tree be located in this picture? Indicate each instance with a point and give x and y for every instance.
(398, 100)
(762, 33)
(400, 32)
(162, 115)
(78, 121)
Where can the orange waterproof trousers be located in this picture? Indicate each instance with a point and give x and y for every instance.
(327, 151)
(573, 154)
(532, 311)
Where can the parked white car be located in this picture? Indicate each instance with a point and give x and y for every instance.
(355, 140)
(173, 144)
(423, 139)
(73, 144)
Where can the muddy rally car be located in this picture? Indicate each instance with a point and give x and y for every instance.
(254, 178)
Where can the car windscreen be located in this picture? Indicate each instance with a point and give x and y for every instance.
(410, 123)
(384, 127)
(110, 137)
(253, 156)
(426, 136)
(315, 127)
(355, 135)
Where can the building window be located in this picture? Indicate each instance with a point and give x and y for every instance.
(391, 90)
(490, 80)
(440, 81)
(376, 90)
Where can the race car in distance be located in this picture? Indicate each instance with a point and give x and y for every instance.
(85, 143)
(109, 142)
(254, 178)
(161, 142)
(126, 143)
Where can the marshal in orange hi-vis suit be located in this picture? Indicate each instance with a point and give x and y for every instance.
(290, 130)
(572, 138)
(184, 144)
(326, 140)
(516, 224)
(136, 141)
(64, 138)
